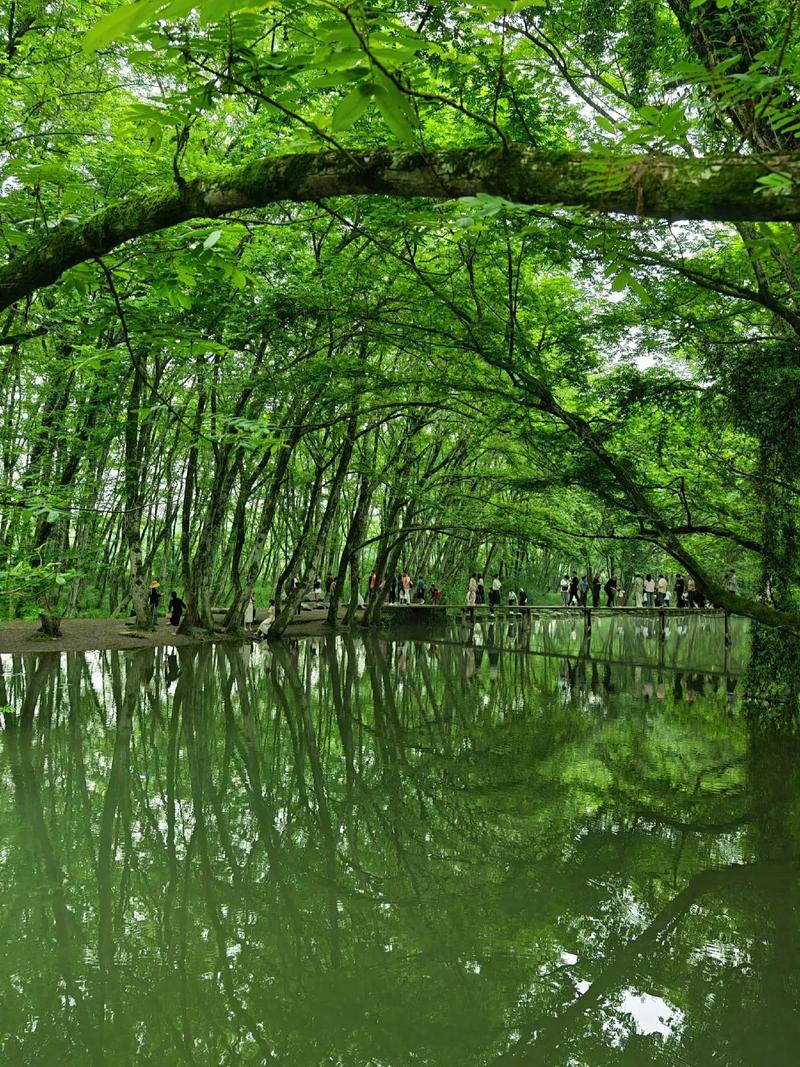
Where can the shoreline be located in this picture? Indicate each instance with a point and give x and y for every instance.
(94, 635)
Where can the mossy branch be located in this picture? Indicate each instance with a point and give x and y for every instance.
(649, 186)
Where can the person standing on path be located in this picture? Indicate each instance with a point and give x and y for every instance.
(176, 608)
(638, 591)
(733, 585)
(596, 588)
(153, 600)
(661, 591)
(564, 584)
(611, 591)
(573, 588)
(583, 590)
(405, 588)
(472, 589)
(494, 593)
(480, 592)
(680, 590)
(249, 611)
(650, 590)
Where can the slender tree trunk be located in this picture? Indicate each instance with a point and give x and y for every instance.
(334, 490)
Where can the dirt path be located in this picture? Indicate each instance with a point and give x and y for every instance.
(85, 635)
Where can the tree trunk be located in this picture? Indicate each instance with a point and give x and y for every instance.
(49, 625)
(334, 490)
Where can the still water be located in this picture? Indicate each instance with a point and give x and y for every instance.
(484, 847)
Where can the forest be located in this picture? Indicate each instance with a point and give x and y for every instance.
(308, 286)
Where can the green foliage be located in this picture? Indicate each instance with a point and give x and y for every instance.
(498, 379)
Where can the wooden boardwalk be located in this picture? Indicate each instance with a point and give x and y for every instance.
(482, 610)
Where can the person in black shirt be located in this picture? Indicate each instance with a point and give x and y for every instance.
(611, 591)
(176, 608)
(154, 600)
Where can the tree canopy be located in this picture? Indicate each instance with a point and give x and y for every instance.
(296, 287)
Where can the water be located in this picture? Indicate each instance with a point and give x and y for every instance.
(377, 854)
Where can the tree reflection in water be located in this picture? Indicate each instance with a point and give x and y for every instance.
(454, 850)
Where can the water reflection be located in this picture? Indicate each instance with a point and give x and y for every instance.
(443, 850)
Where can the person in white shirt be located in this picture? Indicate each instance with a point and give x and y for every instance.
(494, 593)
(662, 591)
(649, 590)
(267, 621)
(564, 584)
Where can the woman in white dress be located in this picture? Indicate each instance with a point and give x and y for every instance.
(263, 629)
(472, 589)
(250, 611)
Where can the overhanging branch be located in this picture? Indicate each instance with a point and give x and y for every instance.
(663, 187)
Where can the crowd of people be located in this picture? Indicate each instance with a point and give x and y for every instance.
(477, 594)
(647, 591)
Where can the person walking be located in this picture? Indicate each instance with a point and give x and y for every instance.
(583, 591)
(494, 593)
(480, 593)
(564, 584)
(405, 588)
(176, 608)
(420, 589)
(680, 590)
(661, 591)
(733, 585)
(573, 588)
(691, 589)
(611, 591)
(153, 600)
(472, 590)
(596, 590)
(650, 590)
(638, 590)
(522, 597)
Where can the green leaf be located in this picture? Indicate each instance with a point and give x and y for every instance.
(120, 23)
(352, 106)
(212, 239)
(396, 111)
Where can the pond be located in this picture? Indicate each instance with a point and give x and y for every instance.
(479, 846)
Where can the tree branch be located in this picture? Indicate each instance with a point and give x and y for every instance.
(649, 186)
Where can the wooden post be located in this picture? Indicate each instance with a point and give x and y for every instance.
(727, 630)
(662, 636)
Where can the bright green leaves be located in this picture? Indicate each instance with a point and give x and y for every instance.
(126, 20)
(352, 106)
(497, 8)
(778, 183)
(624, 279)
(396, 110)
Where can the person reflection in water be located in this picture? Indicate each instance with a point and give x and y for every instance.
(173, 670)
(677, 692)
